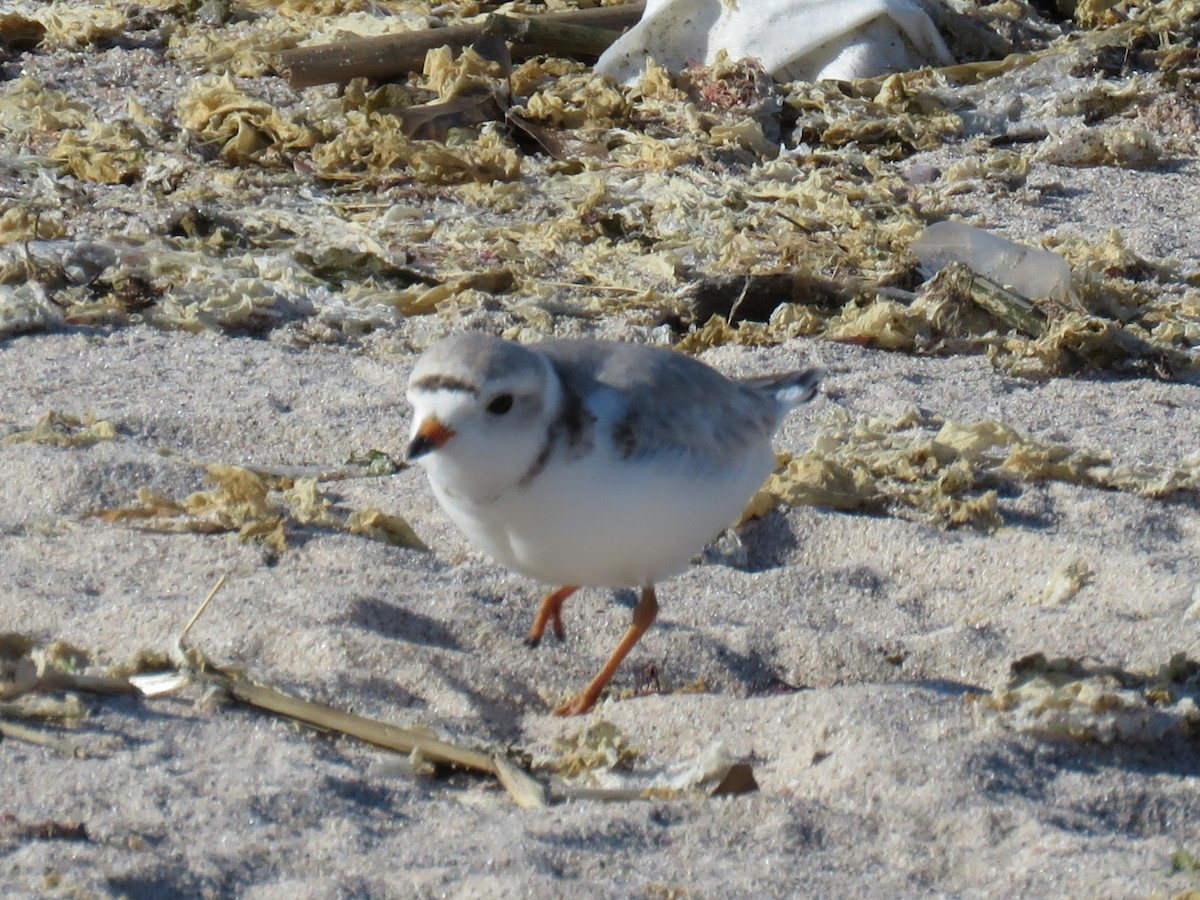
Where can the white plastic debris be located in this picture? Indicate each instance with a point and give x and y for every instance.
(158, 684)
(1032, 273)
(25, 308)
(793, 40)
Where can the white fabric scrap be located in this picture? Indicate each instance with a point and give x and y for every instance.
(793, 40)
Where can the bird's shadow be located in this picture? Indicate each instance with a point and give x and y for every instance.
(1107, 801)
(397, 623)
(502, 707)
(762, 544)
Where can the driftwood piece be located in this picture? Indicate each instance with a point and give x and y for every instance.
(755, 295)
(383, 734)
(539, 34)
(390, 56)
(1008, 306)
(1012, 309)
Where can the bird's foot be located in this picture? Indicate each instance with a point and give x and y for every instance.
(577, 705)
(549, 611)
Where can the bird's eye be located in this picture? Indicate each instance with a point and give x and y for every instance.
(500, 404)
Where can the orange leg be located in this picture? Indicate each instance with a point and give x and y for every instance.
(643, 617)
(550, 611)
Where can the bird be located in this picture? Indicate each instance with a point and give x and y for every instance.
(581, 462)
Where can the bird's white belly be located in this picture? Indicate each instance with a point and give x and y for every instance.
(621, 524)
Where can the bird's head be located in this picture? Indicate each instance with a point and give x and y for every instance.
(481, 410)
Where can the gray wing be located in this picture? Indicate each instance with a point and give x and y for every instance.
(659, 400)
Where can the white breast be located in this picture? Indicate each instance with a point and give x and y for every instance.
(601, 520)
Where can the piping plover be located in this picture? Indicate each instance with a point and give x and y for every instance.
(581, 462)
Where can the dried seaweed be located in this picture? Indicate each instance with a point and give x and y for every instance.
(249, 49)
(901, 117)
(961, 312)
(69, 24)
(19, 33)
(258, 508)
(242, 128)
(380, 526)
(1065, 583)
(596, 763)
(1066, 699)
(595, 199)
(596, 746)
(945, 473)
(26, 221)
(65, 430)
(1130, 145)
(30, 110)
(1182, 861)
(106, 152)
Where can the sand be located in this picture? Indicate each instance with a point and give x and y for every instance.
(875, 777)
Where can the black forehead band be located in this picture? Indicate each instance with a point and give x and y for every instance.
(445, 383)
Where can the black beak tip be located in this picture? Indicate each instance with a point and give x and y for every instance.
(420, 446)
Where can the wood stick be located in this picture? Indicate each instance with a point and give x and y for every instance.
(34, 736)
(554, 38)
(389, 56)
(527, 792)
(1007, 306)
(404, 740)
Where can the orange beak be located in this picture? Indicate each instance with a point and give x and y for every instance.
(431, 435)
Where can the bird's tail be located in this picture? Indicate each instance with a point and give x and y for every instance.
(791, 388)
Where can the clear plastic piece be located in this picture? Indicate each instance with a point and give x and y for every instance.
(1028, 271)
